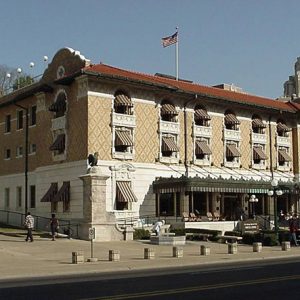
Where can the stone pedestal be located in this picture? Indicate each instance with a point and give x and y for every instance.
(177, 252)
(149, 253)
(257, 247)
(286, 246)
(128, 233)
(94, 209)
(77, 257)
(113, 255)
(204, 250)
(232, 248)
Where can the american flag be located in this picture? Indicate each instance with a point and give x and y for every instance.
(170, 40)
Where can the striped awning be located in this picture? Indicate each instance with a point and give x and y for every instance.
(59, 143)
(259, 154)
(232, 151)
(123, 138)
(258, 123)
(63, 193)
(283, 156)
(168, 109)
(50, 194)
(282, 127)
(231, 119)
(168, 144)
(125, 192)
(59, 105)
(122, 100)
(201, 114)
(202, 148)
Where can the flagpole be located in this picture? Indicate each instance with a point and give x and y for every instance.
(176, 54)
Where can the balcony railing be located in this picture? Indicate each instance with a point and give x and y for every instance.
(123, 120)
(233, 135)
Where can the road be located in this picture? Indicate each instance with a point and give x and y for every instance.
(264, 280)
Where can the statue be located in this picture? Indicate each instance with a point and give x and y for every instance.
(92, 160)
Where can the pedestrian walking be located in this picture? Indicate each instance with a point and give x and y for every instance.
(29, 225)
(54, 226)
(294, 227)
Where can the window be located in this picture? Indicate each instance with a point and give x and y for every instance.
(59, 106)
(231, 121)
(19, 196)
(259, 155)
(168, 112)
(7, 123)
(20, 119)
(202, 150)
(32, 196)
(123, 140)
(257, 125)
(283, 157)
(282, 129)
(7, 153)
(122, 104)
(166, 204)
(19, 151)
(7, 197)
(124, 195)
(232, 152)
(59, 144)
(33, 115)
(53, 207)
(32, 148)
(169, 146)
(201, 117)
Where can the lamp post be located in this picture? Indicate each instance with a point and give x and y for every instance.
(253, 200)
(275, 192)
(26, 155)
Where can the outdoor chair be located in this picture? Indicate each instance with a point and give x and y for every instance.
(194, 217)
(209, 215)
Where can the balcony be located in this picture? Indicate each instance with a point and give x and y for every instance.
(283, 141)
(169, 127)
(232, 135)
(58, 123)
(123, 120)
(202, 131)
(258, 138)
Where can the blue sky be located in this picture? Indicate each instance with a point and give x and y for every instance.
(252, 44)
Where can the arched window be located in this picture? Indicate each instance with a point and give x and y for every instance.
(257, 125)
(122, 103)
(59, 106)
(201, 116)
(282, 129)
(231, 122)
(168, 112)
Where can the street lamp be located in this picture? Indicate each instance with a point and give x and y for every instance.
(275, 192)
(253, 200)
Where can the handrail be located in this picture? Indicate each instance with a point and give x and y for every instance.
(17, 219)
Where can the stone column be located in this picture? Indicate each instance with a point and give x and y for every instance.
(94, 209)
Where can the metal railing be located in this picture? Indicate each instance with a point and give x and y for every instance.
(16, 219)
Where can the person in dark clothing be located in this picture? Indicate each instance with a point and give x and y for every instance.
(54, 225)
(294, 226)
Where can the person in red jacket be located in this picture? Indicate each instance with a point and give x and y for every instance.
(294, 227)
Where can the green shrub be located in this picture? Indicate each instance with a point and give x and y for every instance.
(141, 234)
(178, 231)
(232, 233)
(269, 239)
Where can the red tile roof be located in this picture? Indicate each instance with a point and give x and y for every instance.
(188, 87)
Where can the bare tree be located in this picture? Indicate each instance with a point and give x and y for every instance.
(7, 77)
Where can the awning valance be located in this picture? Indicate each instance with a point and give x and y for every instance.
(282, 127)
(50, 194)
(232, 151)
(122, 100)
(201, 114)
(63, 193)
(231, 119)
(168, 109)
(283, 156)
(259, 154)
(202, 148)
(123, 138)
(168, 144)
(59, 143)
(258, 123)
(125, 192)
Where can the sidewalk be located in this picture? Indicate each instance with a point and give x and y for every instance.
(43, 257)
